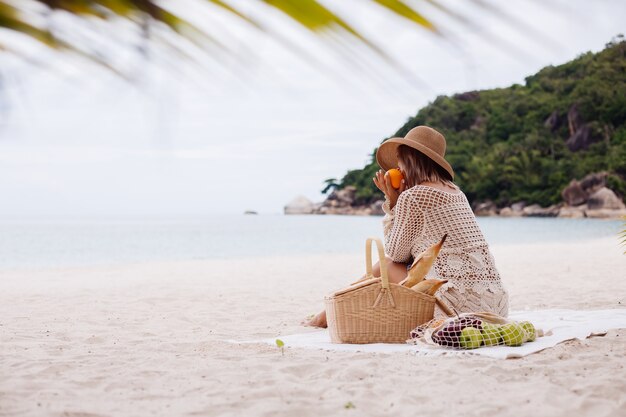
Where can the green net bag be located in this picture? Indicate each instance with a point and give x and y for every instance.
(473, 330)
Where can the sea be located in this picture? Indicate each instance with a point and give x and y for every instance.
(69, 242)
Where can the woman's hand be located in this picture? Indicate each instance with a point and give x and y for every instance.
(383, 182)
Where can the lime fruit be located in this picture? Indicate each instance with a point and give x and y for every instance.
(531, 333)
(491, 335)
(471, 338)
(512, 334)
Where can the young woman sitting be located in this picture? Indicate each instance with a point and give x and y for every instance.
(426, 206)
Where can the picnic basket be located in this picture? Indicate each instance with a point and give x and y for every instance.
(373, 310)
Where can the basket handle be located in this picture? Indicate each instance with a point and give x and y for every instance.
(381, 258)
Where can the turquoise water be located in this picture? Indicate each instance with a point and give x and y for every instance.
(44, 243)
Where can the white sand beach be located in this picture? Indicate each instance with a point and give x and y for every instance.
(145, 339)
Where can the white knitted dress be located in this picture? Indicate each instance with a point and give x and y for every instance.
(419, 219)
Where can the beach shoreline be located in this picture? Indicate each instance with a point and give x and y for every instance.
(147, 338)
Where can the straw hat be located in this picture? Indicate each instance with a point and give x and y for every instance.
(423, 138)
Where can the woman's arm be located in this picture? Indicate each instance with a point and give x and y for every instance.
(402, 224)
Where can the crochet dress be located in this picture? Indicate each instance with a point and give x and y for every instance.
(420, 218)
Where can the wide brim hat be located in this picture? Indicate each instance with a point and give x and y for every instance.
(422, 138)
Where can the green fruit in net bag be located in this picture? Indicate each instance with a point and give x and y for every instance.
(512, 334)
(471, 338)
(450, 334)
(491, 335)
(531, 333)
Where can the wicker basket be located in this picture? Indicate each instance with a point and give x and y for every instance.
(374, 310)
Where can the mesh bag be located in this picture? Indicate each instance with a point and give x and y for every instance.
(473, 330)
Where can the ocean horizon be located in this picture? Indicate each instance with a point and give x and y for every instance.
(70, 242)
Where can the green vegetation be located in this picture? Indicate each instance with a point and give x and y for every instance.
(281, 345)
(511, 144)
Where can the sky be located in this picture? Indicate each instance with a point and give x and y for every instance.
(199, 138)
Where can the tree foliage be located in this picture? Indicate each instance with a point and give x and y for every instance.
(502, 146)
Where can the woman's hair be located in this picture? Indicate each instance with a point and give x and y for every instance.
(420, 168)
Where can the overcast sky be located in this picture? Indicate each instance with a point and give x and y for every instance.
(76, 140)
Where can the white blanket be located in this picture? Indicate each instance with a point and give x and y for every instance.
(560, 325)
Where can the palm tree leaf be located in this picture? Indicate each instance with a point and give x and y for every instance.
(10, 18)
(309, 14)
(622, 234)
(318, 19)
(236, 12)
(402, 9)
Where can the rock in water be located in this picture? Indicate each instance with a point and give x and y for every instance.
(299, 205)
(487, 208)
(577, 212)
(536, 210)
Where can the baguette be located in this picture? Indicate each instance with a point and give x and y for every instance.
(429, 286)
(422, 264)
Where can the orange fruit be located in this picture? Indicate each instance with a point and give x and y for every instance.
(396, 177)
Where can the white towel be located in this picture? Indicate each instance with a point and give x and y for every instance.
(561, 325)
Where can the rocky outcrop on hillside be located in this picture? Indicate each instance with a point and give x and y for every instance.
(343, 201)
(589, 197)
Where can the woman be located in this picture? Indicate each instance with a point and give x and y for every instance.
(426, 206)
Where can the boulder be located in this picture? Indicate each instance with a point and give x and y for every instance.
(507, 212)
(553, 122)
(529, 210)
(574, 119)
(321, 210)
(606, 214)
(377, 208)
(593, 182)
(581, 139)
(576, 212)
(299, 205)
(361, 211)
(488, 208)
(536, 210)
(344, 196)
(518, 207)
(467, 96)
(604, 198)
(574, 194)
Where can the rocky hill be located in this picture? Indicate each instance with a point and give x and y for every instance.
(553, 146)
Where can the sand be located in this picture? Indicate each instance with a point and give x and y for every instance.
(145, 339)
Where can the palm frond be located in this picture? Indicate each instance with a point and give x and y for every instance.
(26, 16)
(622, 234)
(400, 8)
